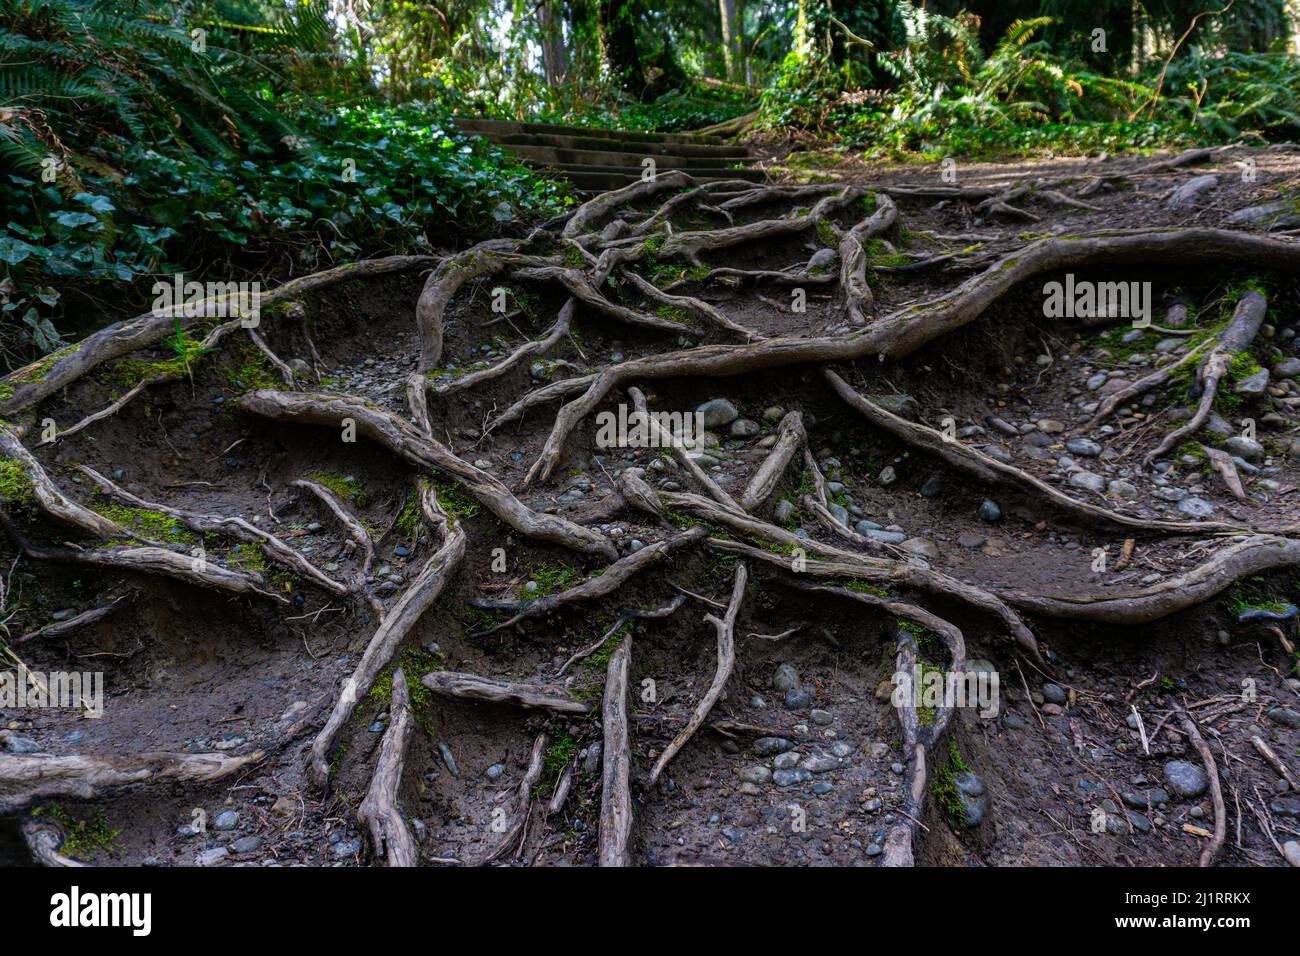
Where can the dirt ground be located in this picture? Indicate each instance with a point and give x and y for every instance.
(803, 760)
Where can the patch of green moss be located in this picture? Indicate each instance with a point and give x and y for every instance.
(408, 521)
(415, 662)
(878, 253)
(558, 755)
(84, 838)
(862, 587)
(599, 660)
(16, 488)
(251, 371)
(454, 500)
(345, 486)
(551, 578)
(944, 787)
(148, 524)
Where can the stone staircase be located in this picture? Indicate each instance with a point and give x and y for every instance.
(599, 159)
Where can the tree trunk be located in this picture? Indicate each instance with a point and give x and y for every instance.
(733, 40)
(555, 60)
(618, 43)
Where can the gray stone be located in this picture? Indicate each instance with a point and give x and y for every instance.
(211, 857)
(495, 771)
(718, 412)
(786, 677)
(1088, 481)
(787, 760)
(1195, 507)
(783, 511)
(819, 763)
(904, 406)
(821, 717)
(990, 511)
(921, 548)
(885, 537)
(933, 487)
(21, 745)
(1287, 368)
(756, 774)
(1083, 447)
(1268, 216)
(1122, 489)
(821, 260)
(1253, 386)
(1243, 447)
(788, 778)
(973, 797)
(797, 699)
(226, 820)
(887, 475)
(345, 848)
(744, 428)
(1186, 779)
(1189, 193)
(1055, 694)
(247, 844)
(1285, 717)
(1291, 852)
(766, 746)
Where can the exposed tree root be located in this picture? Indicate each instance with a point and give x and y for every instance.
(480, 260)
(54, 502)
(389, 833)
(987, 468)
(605, 583)
(1254, 555)
(61, 628)
(27, 778)
(1216, 788)
(1240, 332)
(36, 382)
(417, 599)
(518, 814)
(404, 440)
(663, 439)
(903, 332)
(273, 547)
(45, 838)
(148, 560)
(561, 328)
(357, 532)
(726, 628)
(615, 781)
(527, 696)
(209, 342)
(790, 437)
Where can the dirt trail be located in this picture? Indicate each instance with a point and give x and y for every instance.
(436, 468)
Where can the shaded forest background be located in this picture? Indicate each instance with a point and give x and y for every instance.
(257, 139)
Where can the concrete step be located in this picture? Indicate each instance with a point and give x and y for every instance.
(577, 141)
(601, 178)
(474, 124)
(554, 156)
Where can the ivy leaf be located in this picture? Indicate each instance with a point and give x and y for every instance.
(74, 219)
(14, 251)
(96, 203)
